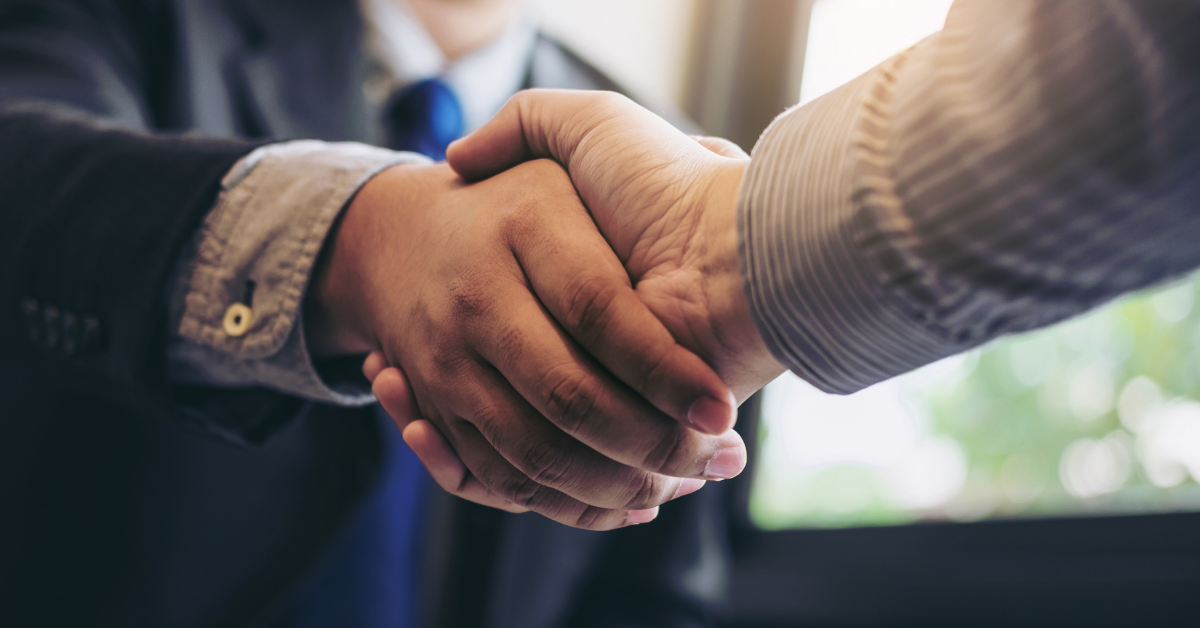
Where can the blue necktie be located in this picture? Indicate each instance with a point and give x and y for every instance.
(424, 118)
(369, 575)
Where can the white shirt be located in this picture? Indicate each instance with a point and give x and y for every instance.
(401, 52)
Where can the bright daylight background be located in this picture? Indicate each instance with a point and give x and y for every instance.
(644, 44)
(1099, 415)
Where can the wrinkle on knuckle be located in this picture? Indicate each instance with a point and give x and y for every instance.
(521, 219)
(487, 418)
(468, 299)
(449, 361)
(670, 455)
(592, 518)
(546, 464)
(648, 495)
(570, 402)
(456, 426)
(588, 302)
(526, 493)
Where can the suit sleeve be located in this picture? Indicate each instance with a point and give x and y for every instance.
(94, 208)
(1031, 161)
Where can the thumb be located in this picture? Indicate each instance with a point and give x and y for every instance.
(538, 123)
(721, 146)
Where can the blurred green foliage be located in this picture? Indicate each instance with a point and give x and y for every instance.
(1092, 416)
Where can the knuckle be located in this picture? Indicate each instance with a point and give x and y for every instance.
(456, 428)
(468, 298)
(671, 455)
(526, 493)
(569, 399)
(546, 464)
(448, 361)
(651, 493)
(593, 518)
(589, 300)
(487, 418)
(521, 218)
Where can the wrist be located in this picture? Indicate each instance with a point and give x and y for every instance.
(334, 320)
(747, 363)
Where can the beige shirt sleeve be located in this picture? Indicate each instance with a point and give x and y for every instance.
(1032, 160)
(256, 250)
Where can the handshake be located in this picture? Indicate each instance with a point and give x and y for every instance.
(554, 318)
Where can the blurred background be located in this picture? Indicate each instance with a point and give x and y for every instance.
(1031, 480)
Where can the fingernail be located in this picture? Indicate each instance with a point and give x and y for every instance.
(726, 464)
(641, 516)
(687, 487)
(712, 415)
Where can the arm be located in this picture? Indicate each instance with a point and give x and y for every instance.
(491, 295)
(1031, 161)
(85, 259)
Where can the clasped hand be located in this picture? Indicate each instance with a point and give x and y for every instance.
(572, 342)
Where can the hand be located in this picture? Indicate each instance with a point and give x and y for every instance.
(666, 204)
(524, 344)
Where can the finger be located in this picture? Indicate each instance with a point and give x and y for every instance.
(555, 123)
(447, 470)
(721, 146)
(395, 394)
(550, 457)
(563, 384)
(374, 363)
(581, 282)
(539, 123)
(506, 481)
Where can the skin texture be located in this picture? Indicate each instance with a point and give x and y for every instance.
(526, 348)
(665, 203)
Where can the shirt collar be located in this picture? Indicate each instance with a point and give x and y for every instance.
(400, 52)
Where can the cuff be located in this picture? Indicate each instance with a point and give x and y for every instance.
(240, 290)
(818, 181)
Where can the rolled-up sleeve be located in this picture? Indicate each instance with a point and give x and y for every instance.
(239, 290)
(1029, 162)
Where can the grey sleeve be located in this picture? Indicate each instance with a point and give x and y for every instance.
(256, 249)
(1031, 161)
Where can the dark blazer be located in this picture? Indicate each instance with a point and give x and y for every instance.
(127, 501)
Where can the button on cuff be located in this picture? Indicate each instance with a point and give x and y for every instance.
(238, 318)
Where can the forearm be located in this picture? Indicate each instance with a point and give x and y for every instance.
(1020, 167)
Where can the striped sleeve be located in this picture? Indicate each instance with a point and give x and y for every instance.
(1031, 161)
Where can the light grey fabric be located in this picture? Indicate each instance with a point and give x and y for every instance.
(1029, 162)
(276, 206)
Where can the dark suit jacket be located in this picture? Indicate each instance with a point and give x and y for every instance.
(126, 501)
